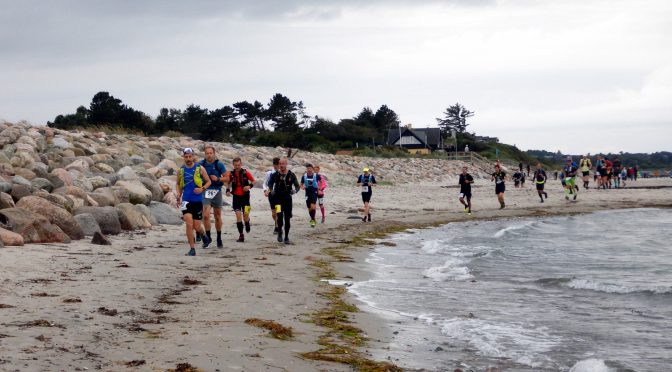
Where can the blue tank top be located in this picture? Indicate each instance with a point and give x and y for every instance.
(188, 193)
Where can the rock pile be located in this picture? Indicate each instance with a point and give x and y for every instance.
(58, 185)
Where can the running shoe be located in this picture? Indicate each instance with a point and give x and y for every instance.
(286, 240)
(220, 243)
(466, 209)
(198, 237)
(322, 219)
(192, 252)
(575, 196)
(241, 238)
(206, 241)
(279, 236)
(364, 219)
(313, 223)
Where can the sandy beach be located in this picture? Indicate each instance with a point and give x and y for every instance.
(140, 304)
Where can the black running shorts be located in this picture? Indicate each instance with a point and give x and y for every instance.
(366, 196)
(240, 202)
(195, 209)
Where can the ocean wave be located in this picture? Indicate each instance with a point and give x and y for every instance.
(521, 344)
(509, 229)
(605, 287)
(615, 288)
(590, 365)
(452, 269)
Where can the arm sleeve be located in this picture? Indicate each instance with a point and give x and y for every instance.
(270, 182)
(267, 179)
(373, 179)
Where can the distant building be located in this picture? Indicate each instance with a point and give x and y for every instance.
(416, 140)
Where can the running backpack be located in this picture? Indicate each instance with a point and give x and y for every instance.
(198, 181)
(243, 178)
(311, 182)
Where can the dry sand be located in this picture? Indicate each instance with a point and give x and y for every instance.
(86, 307)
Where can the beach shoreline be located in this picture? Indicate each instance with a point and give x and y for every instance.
(162, 320)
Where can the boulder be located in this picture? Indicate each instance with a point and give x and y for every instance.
(57, 199)
(88, 224)
(127, 173)
(121, 194)
(20, 191)
(138, 193)
(107, 218)
(41, 184)
(63, 175)
(54, 213)
(98, 182)
(165, 214)
(137, 159)
(9, 135)
(6, 201)
(5, 187)
(71, 190)
(104, 168)
(61, 143)
(80, 165)
(147, 213)
(130, 218)
(154, 187)
(10, 238)
(25, 173)
(33, 227)
(18, 180)
(100, 239)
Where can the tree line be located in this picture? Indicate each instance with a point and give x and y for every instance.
(279, 122)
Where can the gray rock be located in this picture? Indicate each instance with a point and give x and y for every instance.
(138, 193)
(137, 159)
(107, 218)
(9, 135)
(61, 143)
(127, 173)
(57, 199)
(18, 180)
(147, 213)
(165, 214)
(130, 218)
(98, 182)
(154, 187)
(42, 184)
(88, 224)
(100, 239)
(5, 186)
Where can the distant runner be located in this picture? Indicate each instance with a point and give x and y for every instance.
(366, 181)
(570, 171)
(540, 181)
(499, 176)
(322, 185)
(585, 165)
(192, 181)
(310, 183)
(212, 199)
(465, 189)
(267, 192)
(283, 184)
(616, 164)
(240, 183)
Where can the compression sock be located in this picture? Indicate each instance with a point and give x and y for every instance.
(240, 227)
(312, 214)
(219, 235)
(207, 232)
(541, 197)
(322, 210)
(247, 226)
(287, 226)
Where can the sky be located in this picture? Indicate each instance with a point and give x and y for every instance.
(574, 75)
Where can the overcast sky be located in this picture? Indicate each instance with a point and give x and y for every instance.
(572, 75)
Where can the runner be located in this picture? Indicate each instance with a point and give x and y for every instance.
(465, 189)
(499, 177)
(616, 164)
(569, 172)
(192, 181)
(366, 181)
(310, 183)
(540, 180)
(609, 169)
(267, 192)
(599, 164)
(212, 199)
(585, 165)
(516, 179)
(283, 184)
(321, 186)
(240, 183)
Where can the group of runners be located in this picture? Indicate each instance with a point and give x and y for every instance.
(199, 194)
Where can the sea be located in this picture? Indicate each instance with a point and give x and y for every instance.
(581, 293)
